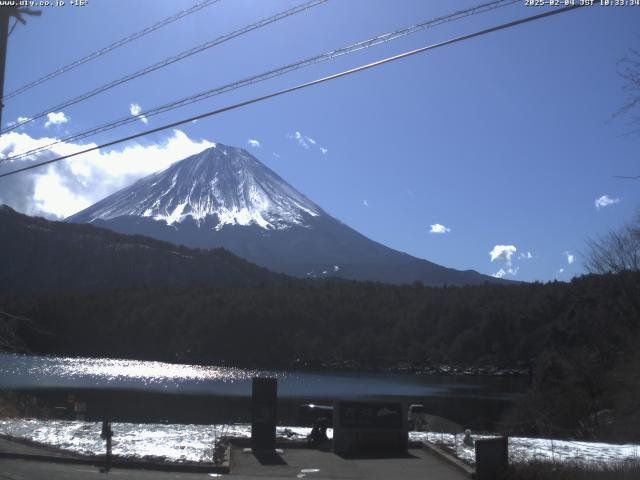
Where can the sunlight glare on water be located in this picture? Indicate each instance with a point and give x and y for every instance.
(17, 368)
(150, 372)
(26, 372)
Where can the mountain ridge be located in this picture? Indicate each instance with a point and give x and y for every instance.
(40, 255)
(225, 197)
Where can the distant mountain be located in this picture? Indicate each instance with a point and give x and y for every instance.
(39, 255)
(224, 197)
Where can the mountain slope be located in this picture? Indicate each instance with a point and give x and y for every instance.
(222, 181)
(39, 255)
(224, 197)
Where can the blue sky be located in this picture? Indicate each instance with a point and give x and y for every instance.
(504, 140)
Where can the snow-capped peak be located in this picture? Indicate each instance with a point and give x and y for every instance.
(223, 182)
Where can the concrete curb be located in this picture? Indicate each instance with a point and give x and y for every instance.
(447, 457)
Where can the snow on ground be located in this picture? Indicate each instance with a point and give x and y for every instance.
(522, 449)
(169, 442)
(195, 443)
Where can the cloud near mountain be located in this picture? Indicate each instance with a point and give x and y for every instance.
(63, 188)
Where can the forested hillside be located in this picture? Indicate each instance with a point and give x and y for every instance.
(39, 255)
(580, 338)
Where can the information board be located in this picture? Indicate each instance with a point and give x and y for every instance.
(370, 428)
(371, 415)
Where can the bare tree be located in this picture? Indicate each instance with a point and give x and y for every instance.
(630, 73)
(615, 252)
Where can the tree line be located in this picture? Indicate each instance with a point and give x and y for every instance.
(578, 338)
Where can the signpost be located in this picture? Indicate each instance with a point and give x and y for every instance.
(263, 413)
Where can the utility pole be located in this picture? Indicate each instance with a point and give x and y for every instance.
(4, 37)
(6, 13)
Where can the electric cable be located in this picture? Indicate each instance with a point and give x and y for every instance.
(301, 86)
(166, 62)
(98, 53)
(269, 74)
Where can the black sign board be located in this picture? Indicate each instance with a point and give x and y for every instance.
(365, 428)
(371, 415)
(263, 413)
(492, 458)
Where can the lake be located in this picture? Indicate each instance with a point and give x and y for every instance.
(134, 390)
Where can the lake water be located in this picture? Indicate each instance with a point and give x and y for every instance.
(220, 396)
(460, 398)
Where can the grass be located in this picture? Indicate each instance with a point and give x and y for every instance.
(627, 470)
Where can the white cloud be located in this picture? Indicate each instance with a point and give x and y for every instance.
(570, 257)
(63, 188)
(276, 155)
(509, 271)
(437, 228)
(605, 201)
(561, 271)
(336, 268)
(253, 143)
(500, 273)
(525, 256)
(54, 118)
(306, 142)
(503, 252)
(135, 110)
(18, 120)
(365, 203)
(301, 139)
(51, 195)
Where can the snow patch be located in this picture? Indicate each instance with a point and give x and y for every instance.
(226, 183)
(195, 442)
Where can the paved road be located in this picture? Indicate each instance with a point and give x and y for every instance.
(299, 463)
(295, 463)
(23, 448)
(316, 465)
(32, 470)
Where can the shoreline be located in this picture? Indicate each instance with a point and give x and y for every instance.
(446, 369)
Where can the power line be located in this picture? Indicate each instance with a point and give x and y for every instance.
(301, 86)
(271, 74)
(98, 53)
(168, 61)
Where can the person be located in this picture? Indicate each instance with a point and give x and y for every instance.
(106, 434)
(318, 433)
(468, 440)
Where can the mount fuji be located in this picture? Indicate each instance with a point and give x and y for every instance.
(224, 197)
